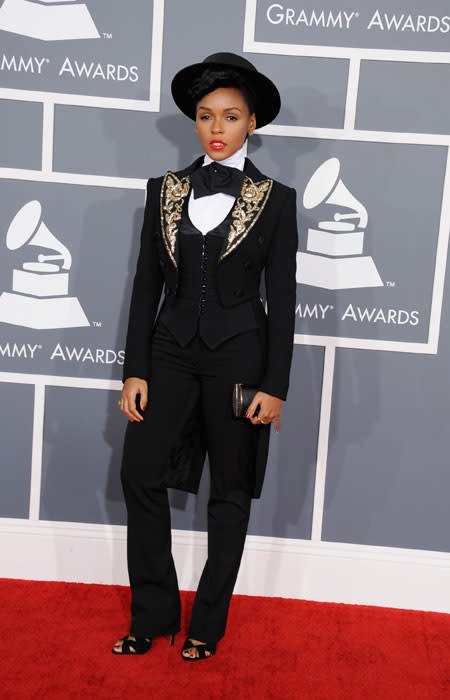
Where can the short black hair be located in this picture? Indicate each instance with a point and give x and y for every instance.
(212, 79)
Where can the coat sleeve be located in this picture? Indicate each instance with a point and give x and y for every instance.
(146, 293)
(280, 283)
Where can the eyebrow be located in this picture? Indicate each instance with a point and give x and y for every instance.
(227, 109)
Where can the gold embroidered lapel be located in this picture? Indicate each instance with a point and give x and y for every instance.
(246, 211)
(173, 194)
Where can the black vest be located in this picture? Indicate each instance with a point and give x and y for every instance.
(197, 307)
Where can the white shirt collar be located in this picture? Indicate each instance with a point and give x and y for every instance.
(236, 160)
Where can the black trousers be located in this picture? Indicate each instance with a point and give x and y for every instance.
(185, 380)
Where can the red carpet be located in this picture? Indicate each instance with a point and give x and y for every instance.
(56, 639)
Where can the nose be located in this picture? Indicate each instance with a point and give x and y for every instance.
(217, 126)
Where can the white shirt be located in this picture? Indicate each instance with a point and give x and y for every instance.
(207, 212)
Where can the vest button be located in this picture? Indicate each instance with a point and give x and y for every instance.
(260, 239)
(248, 264)
(238, 292)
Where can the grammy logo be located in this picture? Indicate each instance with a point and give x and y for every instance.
(335, 258)
(48, 19)
(39, 297)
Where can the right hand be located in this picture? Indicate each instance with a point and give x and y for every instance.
(131, 388)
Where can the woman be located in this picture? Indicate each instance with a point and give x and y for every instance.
(208, 232)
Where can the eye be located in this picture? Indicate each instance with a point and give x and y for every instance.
(205, 116)
(232, 118)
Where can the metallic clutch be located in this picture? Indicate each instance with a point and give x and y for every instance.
(243, 395)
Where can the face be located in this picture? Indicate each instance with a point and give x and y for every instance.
(223, 121)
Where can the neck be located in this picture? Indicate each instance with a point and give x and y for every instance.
(236, 160)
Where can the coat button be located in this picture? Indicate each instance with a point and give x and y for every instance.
(162, 263)
(248, 264)
(238, 292)
(260, 239)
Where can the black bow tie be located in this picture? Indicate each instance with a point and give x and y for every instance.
(214, 178)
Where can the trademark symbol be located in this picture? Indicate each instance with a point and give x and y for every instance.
(97, 324)
(331, 307)
(107, 35)
(39, 347)
(47, 60)
(390, 284)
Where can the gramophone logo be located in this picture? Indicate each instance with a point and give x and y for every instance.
(49, 20)
(334, 257)
(39, 297)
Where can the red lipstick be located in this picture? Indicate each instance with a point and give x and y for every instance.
(217, 145)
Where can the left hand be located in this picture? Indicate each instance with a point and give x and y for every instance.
(269, 408)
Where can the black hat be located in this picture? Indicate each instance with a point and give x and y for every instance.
(266, 96)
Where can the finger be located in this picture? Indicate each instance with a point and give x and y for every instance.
(123, 405)
(265, 419)
(136, 406)
(135, 414)
(252, 408)
(125, 410)
(132, 412)
(144, 398)
(126, 413)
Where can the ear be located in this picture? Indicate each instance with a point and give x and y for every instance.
(251, 125)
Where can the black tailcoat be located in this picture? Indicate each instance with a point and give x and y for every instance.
(262, 237)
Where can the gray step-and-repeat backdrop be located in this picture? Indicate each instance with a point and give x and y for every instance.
(360, 469)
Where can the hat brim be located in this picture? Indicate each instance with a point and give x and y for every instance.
(265, 93)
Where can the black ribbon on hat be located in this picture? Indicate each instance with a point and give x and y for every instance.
(214, 178)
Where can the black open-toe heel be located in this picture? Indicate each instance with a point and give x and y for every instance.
(133, 645)
(202, 648)
(137, 645)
